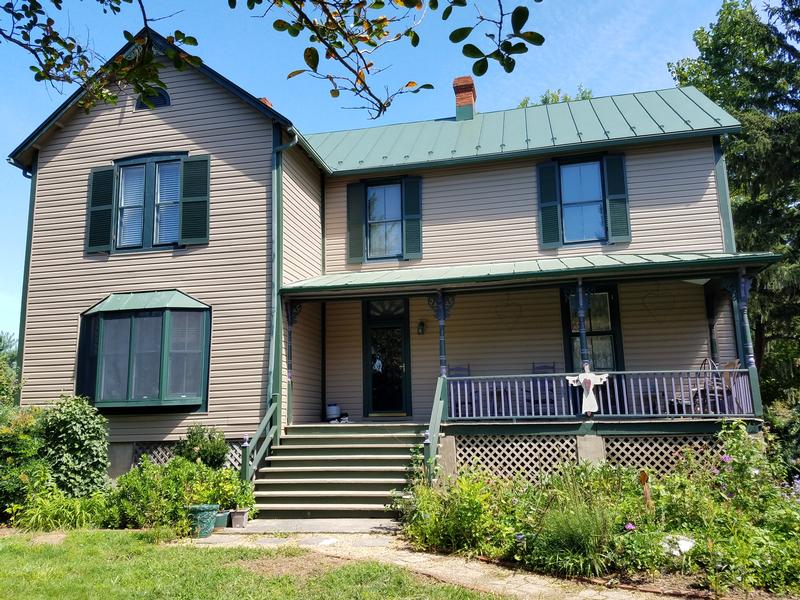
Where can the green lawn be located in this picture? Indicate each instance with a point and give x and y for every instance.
(123, 564)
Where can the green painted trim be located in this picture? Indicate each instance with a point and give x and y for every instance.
(753, 260)
(723, 197)
(593, 427)
(163, 399)
(322, 181)
(23, 310)
(737, 325)
(545, 151)
(755, 391)
(366, 369)
(323, 368)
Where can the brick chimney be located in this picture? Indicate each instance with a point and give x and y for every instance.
(464, 88)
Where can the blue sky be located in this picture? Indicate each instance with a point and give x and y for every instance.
(607, 45)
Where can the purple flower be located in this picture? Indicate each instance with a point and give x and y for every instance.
(520, 537)
(726, 458)
(715, 471)
(630, 526)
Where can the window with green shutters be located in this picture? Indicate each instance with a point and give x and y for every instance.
(150, 202)
(384, 220)
(583, 201)
(144, 358)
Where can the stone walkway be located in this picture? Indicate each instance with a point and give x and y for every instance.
(388, 548)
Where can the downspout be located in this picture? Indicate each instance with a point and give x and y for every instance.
(276, 265)
(23, 312)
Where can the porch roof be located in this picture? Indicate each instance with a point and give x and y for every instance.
(540, 270)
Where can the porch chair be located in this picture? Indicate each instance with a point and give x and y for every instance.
(716, 386)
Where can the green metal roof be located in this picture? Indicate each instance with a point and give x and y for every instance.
(529, 270)
(145, 301)
(545, 129)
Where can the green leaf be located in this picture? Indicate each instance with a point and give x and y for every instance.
(414, 38)
(536, 39)
(509, 64)
(232, 3)
(472, 51)
(190, 41)
(424, 86)
(296, 73)
(460, 34)
(280, 25)
(518, 48)
(519, 17)
(334, 93)
(446, 12)
(377, 4)
(479, 67)
(433, 4)
(311, 56)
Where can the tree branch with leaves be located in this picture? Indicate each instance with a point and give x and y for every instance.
(345, 40)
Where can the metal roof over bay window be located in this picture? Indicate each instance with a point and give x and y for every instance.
(541, 270)
(146, 301)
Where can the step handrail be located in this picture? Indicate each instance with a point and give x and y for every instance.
(438, 414)
(254, 450)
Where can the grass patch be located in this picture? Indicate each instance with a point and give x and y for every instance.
(125, 564)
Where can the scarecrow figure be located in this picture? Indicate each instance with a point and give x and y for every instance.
(588, 380)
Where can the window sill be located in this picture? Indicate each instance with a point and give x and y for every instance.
(148, 403)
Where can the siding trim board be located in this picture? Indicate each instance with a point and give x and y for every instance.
(23, 312)
(726, 215)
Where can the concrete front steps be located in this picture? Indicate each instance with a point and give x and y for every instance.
(336, 470)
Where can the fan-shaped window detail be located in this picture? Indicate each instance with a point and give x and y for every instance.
(161, 98)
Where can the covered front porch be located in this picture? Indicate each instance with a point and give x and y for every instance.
(498, 346)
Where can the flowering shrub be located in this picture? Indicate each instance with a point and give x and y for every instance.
(727, 518)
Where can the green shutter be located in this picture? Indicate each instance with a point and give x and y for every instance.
(619, 225)
(412, 217)
(549, 206)
(100, 210)
(195, 184)
(356, 202)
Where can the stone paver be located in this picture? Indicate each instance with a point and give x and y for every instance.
(346, 526)
(391, 549)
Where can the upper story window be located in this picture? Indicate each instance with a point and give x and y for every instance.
(147, 203)
(159, 98)
(583, 214)
(384, 220)
(584, 201)
(155, 357)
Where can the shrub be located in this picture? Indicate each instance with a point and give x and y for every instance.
(48, 508)
(20, 446)
(75, 444)
(158, 496)
(204, 444)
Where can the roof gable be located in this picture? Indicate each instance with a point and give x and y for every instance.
(22, 155)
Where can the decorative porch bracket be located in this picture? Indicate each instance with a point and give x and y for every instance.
(441, 304)
(739, 288)
(584, 343)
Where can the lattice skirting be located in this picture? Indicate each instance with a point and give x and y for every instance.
(161, 452)
(657, 453)
(509, 455)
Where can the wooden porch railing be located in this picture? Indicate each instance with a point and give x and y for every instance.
(254, 450)
(438, 414)
(642, 394)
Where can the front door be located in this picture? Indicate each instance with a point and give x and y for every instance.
(386, 358)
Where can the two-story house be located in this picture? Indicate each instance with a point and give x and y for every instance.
(201, 261)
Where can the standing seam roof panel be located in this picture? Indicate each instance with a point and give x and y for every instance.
(539, 134)
(688, 109)
(661, 112)
(589, 127)
(636, 116)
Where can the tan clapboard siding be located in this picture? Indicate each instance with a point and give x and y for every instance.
(725, 329)
(488, 212)
(664, 326)
(495, 334)
(302, 225)
(343, 357)
(231, 274)
(306, 366)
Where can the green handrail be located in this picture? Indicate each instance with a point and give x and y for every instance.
(438, 414)
(254, 450)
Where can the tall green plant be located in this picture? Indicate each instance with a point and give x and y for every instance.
(75, 444)
(204, 444)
